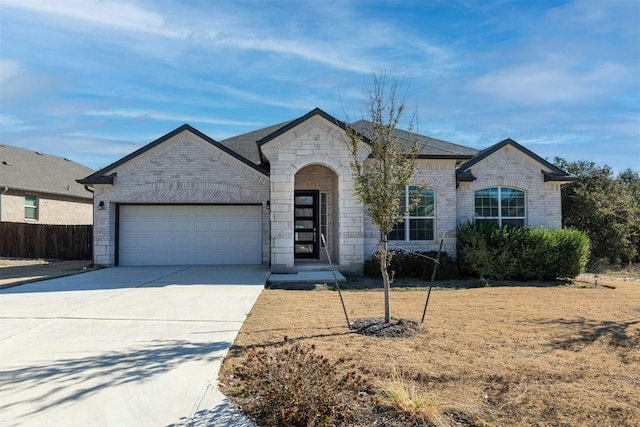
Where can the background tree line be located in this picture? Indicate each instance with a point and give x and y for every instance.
(606, 207)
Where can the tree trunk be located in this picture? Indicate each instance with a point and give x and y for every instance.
(384, 254)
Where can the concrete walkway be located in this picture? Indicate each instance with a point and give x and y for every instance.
(126, 346)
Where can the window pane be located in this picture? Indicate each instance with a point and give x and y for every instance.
(304, 223)
(398, 232)
(425, 206)
(303, 200)
(493, 222)
(308, 212)
(303, 248)
(486, 202)
(29, 213)
(420, 229)
(30, 206)
(513, 222)
(323, 217)
(305, 236)
(402, 202)
(512, 202)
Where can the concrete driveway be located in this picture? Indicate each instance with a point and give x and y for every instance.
(125, 346)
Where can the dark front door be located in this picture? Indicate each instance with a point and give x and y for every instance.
(305, 220)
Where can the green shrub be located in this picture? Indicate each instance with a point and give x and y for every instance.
(573, 250)
(297, 387)
(521, 253)
(405, 265)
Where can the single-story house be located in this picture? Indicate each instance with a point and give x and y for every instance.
(265, 197)
(40, 188)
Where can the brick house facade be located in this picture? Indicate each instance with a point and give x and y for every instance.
(38, 188)
(267, 196)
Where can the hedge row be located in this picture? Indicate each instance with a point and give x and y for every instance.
(521, 253)
(490, 252)
(415, 266)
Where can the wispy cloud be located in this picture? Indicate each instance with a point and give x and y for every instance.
(13, 124)
(548, 83)
(160, 116)
(110, 75)
(105, 13)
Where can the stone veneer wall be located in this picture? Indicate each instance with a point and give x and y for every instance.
(313, 142)
(185, 169)
(510, 168)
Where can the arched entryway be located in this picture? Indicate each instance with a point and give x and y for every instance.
(315, 213)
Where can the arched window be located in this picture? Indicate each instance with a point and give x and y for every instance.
(420, 223)
(501, 206)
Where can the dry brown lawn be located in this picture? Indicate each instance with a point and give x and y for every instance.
(505, 356)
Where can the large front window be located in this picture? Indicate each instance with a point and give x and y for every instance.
(501, 206)
(419, 224)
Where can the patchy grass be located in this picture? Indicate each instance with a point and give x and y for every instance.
(542, 355)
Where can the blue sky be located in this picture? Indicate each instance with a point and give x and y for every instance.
(95, 80)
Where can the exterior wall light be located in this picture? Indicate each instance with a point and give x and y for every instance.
(100, 206)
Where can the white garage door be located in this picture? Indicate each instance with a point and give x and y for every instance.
(190, 235)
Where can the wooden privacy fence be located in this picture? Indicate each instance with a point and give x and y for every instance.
(20, 240)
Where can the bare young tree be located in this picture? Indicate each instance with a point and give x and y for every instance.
(381, 177)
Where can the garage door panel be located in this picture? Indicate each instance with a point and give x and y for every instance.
(182, 226)
(190, 235)
(164, 226)
(220, 226)
(236, 226)
(201, 226)
(253, 227)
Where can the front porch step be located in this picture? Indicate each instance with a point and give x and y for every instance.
(306, 277)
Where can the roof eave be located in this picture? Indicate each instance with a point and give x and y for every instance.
(464, 176)
(559, 178)
(101, 179)
(444, 156)
(47, 191)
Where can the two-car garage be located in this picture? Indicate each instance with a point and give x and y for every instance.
(189, 234)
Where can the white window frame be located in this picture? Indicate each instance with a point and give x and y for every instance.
(500, 218)
(35, 207)
(407, 219)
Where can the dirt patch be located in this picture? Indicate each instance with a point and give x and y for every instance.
(563, 355)
(15, 272)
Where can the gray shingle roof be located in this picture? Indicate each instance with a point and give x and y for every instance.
(247, 144)
(429, 147)
(43, 173)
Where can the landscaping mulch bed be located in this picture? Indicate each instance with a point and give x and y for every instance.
(377, 327)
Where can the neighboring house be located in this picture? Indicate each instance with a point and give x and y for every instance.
(265, 196)
(42, 189)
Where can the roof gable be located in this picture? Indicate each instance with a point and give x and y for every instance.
(42, 173)
(552, 173)
(105, 176)
(290, 125)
